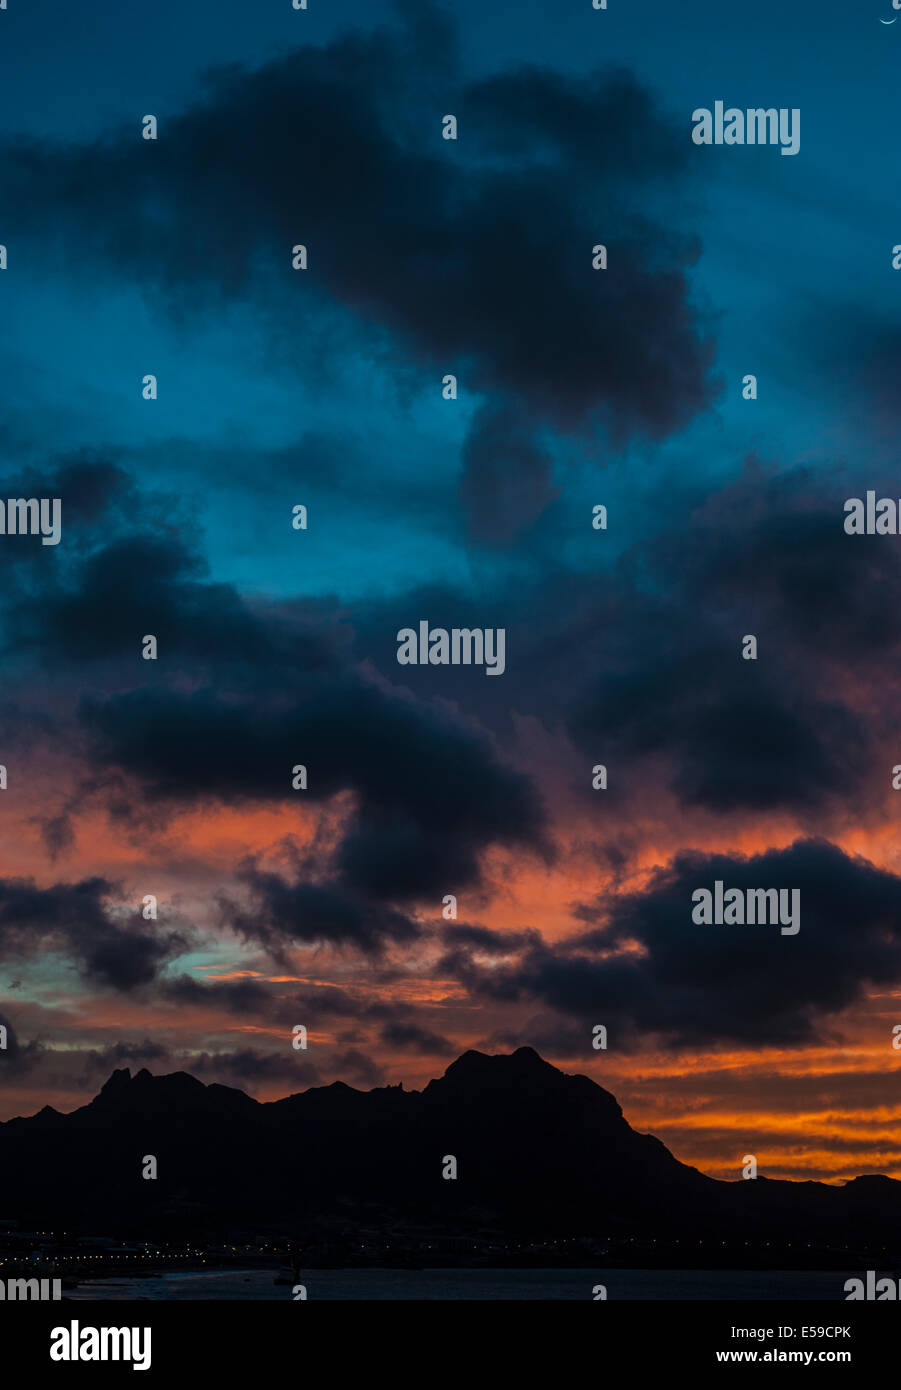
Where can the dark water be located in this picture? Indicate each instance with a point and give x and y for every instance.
(455, 1284)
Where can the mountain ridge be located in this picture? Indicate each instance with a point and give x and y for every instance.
(537, 1150)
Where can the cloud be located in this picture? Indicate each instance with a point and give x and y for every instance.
(283, 913)
(359, 1067)
(636, 661)
(235, 996)
(17, 1058)
(765, 555)
(486, 941)
(137, 583)
(472, 256)
(430, 793)
(119, 953)
(78, 1069)
(249, 1066)
(648, 970)
(409, 1037)
(243, 692)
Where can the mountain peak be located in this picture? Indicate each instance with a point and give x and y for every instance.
(528, 1057)
(523, 1059)
(482, 1069)
(177, 1088)
(116, 1082)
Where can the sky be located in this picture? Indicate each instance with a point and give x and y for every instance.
(277, 647)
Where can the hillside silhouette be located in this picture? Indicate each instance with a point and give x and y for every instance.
(538, 1152)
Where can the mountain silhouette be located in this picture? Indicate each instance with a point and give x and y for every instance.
(538, 1152)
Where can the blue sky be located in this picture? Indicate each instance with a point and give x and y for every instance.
(787, 245)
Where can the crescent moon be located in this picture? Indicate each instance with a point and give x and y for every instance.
(887, 21)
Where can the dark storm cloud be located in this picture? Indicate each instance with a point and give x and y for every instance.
(95, 495)
(91, 485)
(117, 952)
(549, 1034)
(410, 1037)
(751, 735)
(645, 667)
(486, 941)
(240, 694)
(695, 984)
(795, 729)
(130, 565)
(431, 792)
(641, 664)
(100, 1061)
(136, 584)
(249, 1066)
(17, 1058)
(474, 254)
(773, 542)
(235, 996)
(284, 913)
(246, 1066)
(330, 1001)
(358, 1067)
